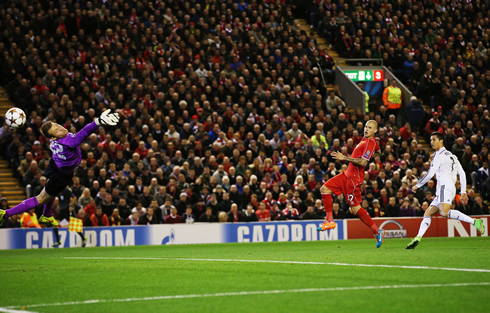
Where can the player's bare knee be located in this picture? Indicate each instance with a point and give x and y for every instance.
(444, 213)
(43, 197)
(325, 190)
(444, 209)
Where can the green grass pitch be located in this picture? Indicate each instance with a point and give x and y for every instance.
(50, 276)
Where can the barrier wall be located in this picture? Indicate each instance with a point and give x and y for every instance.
(229, 232)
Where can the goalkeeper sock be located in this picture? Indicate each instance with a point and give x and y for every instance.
(81, 235)
(47, 208)
(457, 215)
(56, 234)
(328, 205)
(22, 207)
(363, 215)
(424, 226)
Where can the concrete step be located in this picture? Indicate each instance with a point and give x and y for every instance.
(5, 175)
(12, 189)
(305, 26)
(11, 194)
(13, 202)
(10, 184)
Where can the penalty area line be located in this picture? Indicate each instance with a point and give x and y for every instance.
(246, 293)
(480, 270)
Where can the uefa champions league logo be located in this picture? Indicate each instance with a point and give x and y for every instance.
(170, 238)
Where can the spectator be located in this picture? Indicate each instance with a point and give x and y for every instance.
(90, 208)
(132, 219)
(99, 218)
(291, 213)
(173, 217)
(392, 209)
(149, 218)
(116, 219)
(310, 214)
(406, 209)
(85, 198)
(188, 217)
(222, 217)
(233, 215)
(208, 216)
(12, 222)
(107, 205)
(123, 208)
(479, 208)
(415, 113)
(378, 212)
(85, 218)
(249, 215)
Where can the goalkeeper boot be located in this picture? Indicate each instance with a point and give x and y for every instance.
(327, 225)
(2, 220)
(379, 238)
(478, 224)
(415, 242)
(84, 242)
(57, 244)
(48, 221)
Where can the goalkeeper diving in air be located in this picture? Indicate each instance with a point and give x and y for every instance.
(66, 158)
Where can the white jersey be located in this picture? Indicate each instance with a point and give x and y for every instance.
(446, 167)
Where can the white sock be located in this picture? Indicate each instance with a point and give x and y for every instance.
(456, 215)
(424, 226)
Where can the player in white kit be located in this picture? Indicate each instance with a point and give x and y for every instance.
(446, 167)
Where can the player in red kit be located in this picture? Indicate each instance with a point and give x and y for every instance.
(349, 182)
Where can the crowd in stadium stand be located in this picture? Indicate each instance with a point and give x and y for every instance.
(225, 113)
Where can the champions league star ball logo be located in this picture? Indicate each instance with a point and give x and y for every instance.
(394, 233)
(169, 239)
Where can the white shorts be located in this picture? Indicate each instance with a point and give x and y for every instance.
(444, 194)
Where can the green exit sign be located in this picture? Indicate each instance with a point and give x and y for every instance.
(365, 76)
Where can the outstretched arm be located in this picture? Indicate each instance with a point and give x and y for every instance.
(74, 140)
(106, 118)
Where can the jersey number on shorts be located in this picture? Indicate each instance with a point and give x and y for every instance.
(350, 198)
(57, 149)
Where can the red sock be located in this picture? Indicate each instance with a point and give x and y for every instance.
(328, 204)
(366, 219)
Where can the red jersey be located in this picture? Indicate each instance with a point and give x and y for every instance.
(365, 149)
(263, 216)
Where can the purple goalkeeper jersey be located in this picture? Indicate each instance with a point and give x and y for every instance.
(66, 151)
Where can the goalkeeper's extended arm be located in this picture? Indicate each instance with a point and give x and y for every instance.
(106, 118)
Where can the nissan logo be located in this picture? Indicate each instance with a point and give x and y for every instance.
(394, 233)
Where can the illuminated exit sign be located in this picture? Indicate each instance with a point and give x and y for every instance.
(365, 76)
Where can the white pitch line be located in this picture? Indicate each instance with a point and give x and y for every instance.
(248, 293)
(479, 270)
(7, 310)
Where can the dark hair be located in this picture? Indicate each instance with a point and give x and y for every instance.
(45, 129)
(439, 135)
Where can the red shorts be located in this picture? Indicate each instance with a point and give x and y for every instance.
(342, 184)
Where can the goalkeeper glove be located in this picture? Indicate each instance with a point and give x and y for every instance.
(107, 119)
